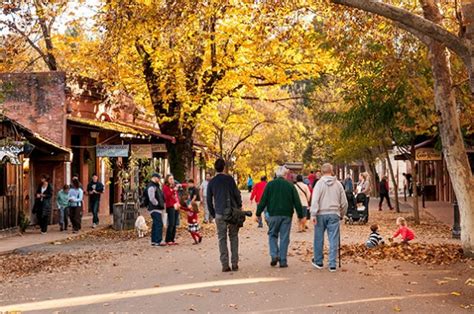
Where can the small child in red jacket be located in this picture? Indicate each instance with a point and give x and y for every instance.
(193, 225)
(406, 233)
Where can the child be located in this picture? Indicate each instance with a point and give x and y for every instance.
(407, 234)
(62, 201)
(192, 215)
(374, 238)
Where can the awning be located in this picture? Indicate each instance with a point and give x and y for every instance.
(35, 141)
(105, 125)
(148, 130)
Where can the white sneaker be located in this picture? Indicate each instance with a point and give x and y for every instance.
(43, 232)
(93, 226)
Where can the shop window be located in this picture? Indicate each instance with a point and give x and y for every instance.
(3, 179)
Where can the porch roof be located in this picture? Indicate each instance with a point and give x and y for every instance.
(105, 125)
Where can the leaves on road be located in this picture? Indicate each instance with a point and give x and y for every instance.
(20, 265)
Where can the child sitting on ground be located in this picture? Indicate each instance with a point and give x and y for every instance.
(192, 215)
(403, 230)
(374, 238)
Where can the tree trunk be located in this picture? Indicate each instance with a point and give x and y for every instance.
(467, 10)
(450, 132)
(394, 180)
(180, 154)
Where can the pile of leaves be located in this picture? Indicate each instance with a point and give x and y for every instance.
(16, 265)
(110, 234)
(416, 253)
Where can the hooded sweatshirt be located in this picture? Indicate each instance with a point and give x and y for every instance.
(328, 198)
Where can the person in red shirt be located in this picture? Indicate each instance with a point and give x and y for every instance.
(403, 230)
(311, 178)
(191, 211)
(257, 193)
(170, 192)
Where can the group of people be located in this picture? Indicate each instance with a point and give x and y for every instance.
(69, 201)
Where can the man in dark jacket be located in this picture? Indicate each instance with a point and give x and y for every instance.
(384, 193)
(95, 188)
(156, 206)
(280, 199)
(222, 192)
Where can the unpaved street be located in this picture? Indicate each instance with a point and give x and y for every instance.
(113, 275)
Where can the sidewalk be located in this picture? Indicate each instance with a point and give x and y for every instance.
(441, 211)
(33, 236)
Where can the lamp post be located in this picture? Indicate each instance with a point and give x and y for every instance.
(456, 231)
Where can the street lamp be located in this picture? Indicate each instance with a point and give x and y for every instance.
(456, 231)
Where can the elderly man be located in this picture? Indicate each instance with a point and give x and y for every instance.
(280, 199)
(328, 206)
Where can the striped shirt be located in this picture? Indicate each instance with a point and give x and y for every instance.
(375, 239)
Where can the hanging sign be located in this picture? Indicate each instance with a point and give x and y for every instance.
(159, 148)
(112, 150)
(142, 150)
(427, 154)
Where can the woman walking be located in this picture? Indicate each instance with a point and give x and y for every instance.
(62, 200)
(305, 196)
(170, 192)
(42, 206)
(363, 187)
(75, 197)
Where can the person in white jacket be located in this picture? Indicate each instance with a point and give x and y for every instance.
(305, 196)
(328, 206)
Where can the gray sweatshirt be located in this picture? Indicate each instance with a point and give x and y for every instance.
(328, 198)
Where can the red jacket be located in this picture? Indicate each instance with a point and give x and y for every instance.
(407, 234)
(171, 196)
(190, 214)
(257, 191)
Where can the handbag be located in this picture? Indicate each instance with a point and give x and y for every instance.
(232, 214)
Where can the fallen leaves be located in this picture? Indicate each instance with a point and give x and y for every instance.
(16, 265)
(469, 282)
(456, 294)
(216, 290)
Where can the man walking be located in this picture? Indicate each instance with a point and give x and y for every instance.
(95, 188)
(203, 192)
(280, 198)
(222, 192)
(257, 194)
(156, 206)
(328, 206)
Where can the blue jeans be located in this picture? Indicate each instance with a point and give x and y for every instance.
(331, 224)
(156, 228)
(279, 227)
(63, 213)
(94, 205)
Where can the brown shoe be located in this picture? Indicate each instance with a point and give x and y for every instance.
(235, 267)
(226, 269)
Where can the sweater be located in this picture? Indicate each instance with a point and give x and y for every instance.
(62, 199)
(280, 199)
(329, 197)
(171, 196)
(257, 191)
(375, 239)
(220, 188)
(407, 234)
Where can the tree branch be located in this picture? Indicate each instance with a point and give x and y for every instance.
(413, 22)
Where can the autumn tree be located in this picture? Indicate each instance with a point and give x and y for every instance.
(432, 31)
(191, 54)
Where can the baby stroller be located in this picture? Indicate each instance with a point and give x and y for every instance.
(357, 212)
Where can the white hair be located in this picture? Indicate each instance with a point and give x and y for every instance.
(326, 168)
(281, 171)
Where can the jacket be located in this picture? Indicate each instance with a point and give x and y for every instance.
(155, 197)
(222, 189)
(303, 193)
(62, 199)
(257, 191)
(384, 187)
(280, 199)
(170, 195)
(75, 197)
(329, 197)
(43, 204)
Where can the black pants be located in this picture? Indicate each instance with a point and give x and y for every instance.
(172, 218)
(43, 221)
(382, 196)
(76, 217)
